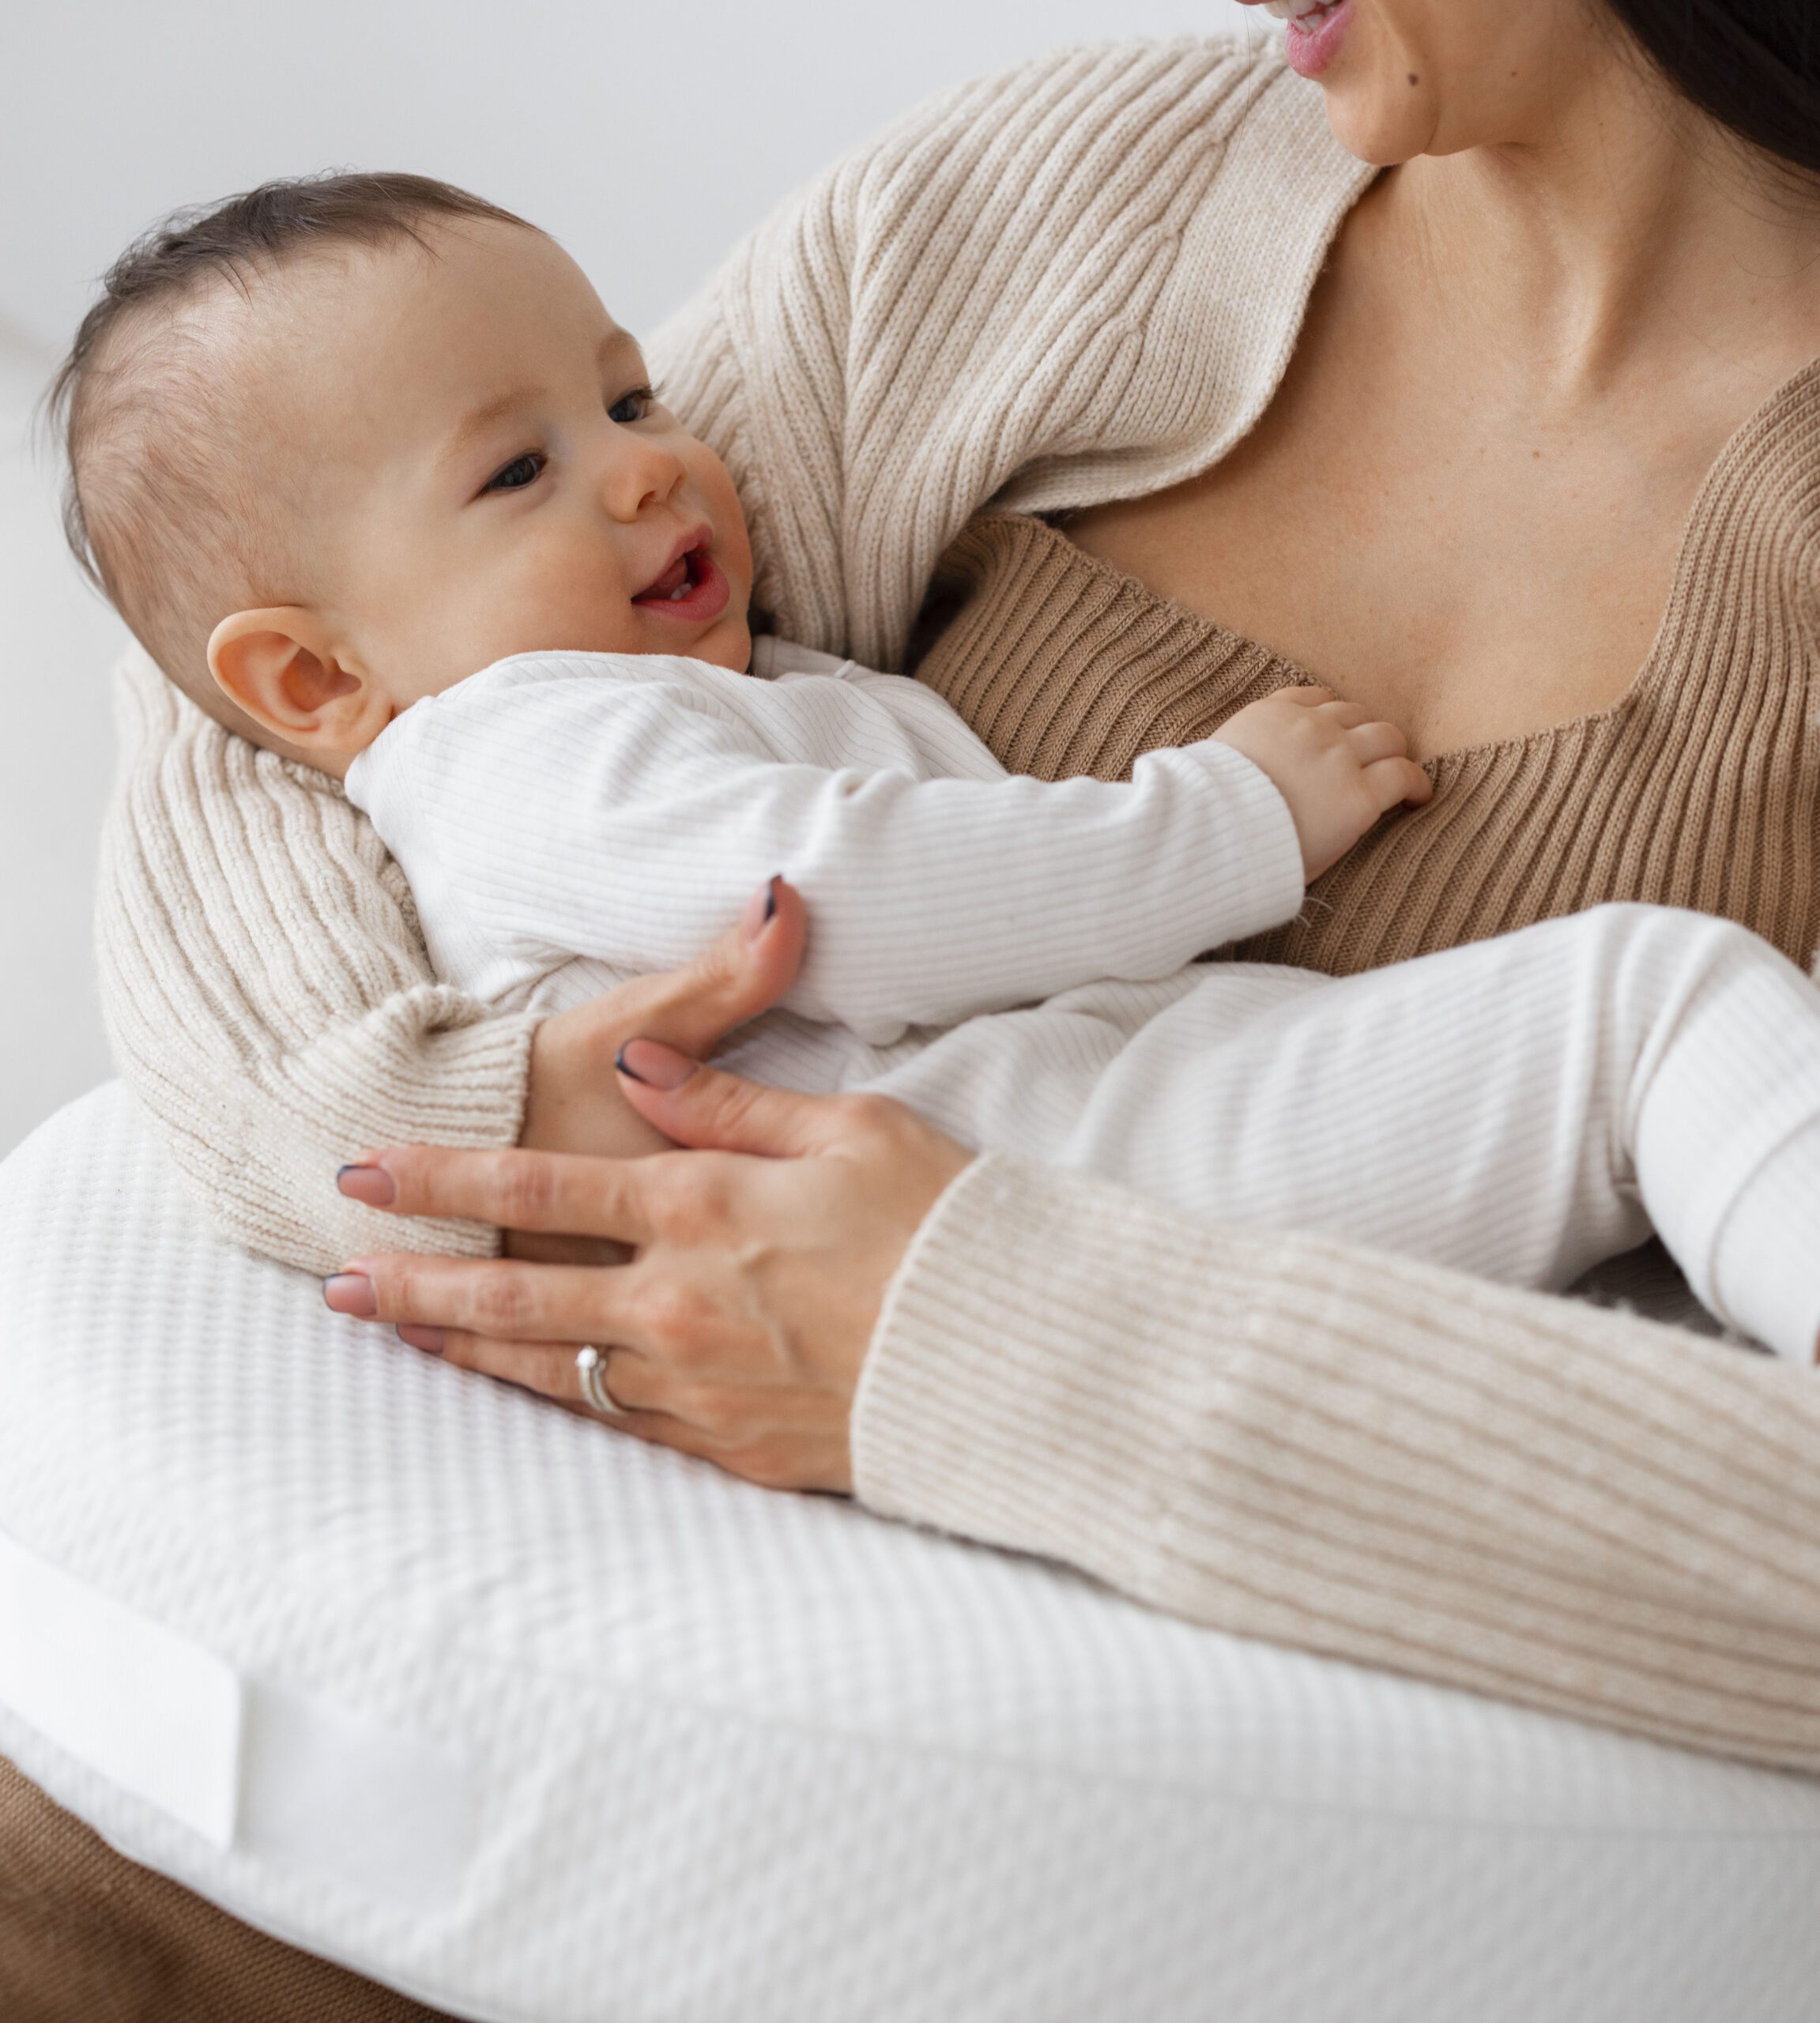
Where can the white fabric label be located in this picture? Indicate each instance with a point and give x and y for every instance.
(147, 1709)
(375, 1809)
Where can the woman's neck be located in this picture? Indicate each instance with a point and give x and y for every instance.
(1627, 228)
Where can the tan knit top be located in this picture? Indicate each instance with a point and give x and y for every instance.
(1700, 788)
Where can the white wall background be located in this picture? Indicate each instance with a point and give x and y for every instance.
(647, 141)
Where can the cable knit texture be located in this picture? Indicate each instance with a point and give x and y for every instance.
(1078, 280)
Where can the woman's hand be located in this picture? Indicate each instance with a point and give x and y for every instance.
(739, 1332)
(574, 1103)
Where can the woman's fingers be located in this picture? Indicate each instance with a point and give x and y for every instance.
(573, 1101)
(548, 1368)
(551, 1370)
(498, 1297)
(640, 1388)
(707, 1108)
(565, 1194)
(708, 1422)
(740, 974)
(744, 972)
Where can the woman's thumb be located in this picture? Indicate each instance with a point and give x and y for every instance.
(707, 1109)
(735, 978)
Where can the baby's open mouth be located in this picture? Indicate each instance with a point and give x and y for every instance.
(684, 574)
(693, 590)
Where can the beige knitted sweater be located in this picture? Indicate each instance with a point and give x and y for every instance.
(1076, 281)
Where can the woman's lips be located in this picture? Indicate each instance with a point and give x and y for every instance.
(693, 590)
(1315, 32)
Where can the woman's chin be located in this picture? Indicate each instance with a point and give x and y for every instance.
(1376, 125)
(1383, 98)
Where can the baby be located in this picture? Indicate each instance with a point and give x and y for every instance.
(371, 472)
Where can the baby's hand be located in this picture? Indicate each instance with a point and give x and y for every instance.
(1338, 771)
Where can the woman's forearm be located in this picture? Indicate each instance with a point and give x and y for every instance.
(1292, 1439)
(267, 994)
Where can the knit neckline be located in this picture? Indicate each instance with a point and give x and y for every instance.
(1761, 437)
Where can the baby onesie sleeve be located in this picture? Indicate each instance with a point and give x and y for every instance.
(625, 808)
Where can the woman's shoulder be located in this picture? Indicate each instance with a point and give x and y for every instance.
(1102, 252)
(1131, 107)
(1087, 131)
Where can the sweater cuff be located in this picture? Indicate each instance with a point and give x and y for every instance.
(1008, 1327)
(402, 1076)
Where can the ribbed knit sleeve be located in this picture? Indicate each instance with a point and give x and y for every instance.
(1075, 280)
(1291, 1439)
(267, 992)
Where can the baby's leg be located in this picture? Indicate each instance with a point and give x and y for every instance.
(1503, 1107)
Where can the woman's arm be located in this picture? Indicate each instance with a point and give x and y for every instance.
(1278, 1436)
(1300, 1440)
(271, 1004)
(266, 990)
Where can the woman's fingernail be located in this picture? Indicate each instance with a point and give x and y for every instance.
(761, 910)
(372, 1184)
(431, 1340)
(350, 1293)
(656, 1065)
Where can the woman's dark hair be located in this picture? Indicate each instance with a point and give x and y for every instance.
(1753, 65)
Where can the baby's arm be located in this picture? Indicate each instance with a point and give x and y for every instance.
(624, 808)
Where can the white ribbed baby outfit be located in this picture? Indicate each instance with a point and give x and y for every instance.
(623, 807)
(1015, 958)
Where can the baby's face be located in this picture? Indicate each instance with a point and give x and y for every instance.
(479, 469)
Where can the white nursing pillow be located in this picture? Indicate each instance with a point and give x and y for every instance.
(535, 1723)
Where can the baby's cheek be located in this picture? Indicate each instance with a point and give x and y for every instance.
(733, 541)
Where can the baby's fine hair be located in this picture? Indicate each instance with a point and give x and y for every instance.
(161, 511)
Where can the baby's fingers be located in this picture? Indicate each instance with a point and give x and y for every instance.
(1398, 783)
(1370, 742)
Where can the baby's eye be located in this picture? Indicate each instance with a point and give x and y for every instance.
(519, 473)
(633, 406)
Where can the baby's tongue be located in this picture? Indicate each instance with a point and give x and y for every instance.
(674, 578)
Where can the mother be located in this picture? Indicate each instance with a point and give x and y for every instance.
(1464, 437)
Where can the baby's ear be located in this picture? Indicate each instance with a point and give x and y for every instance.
(280, 666)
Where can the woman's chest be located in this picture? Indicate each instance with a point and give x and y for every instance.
(1467, 575)
(1473, 529)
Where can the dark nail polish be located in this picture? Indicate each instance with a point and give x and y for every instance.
(372, 1185)
(350, 1293)
(664, 1067)
(771, 896)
